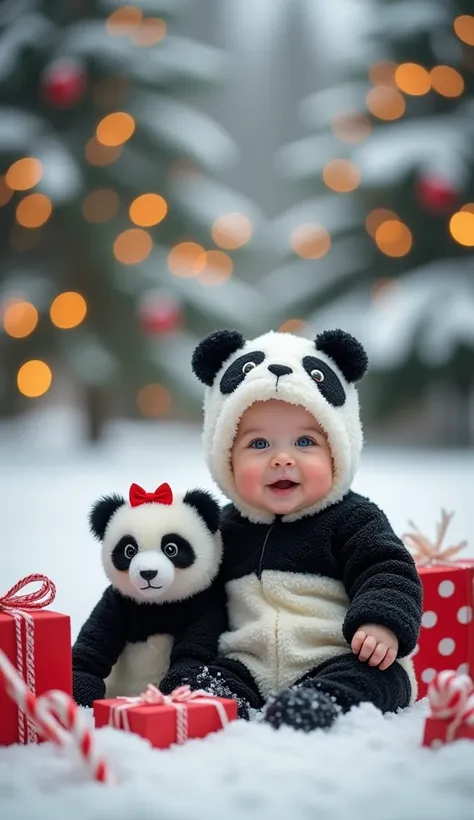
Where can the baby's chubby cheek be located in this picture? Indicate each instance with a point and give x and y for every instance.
(247, 475)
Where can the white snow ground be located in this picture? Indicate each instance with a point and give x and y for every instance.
(368, 766)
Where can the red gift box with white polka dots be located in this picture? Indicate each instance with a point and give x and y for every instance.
(447, 632)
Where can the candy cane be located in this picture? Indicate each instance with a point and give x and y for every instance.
(448, 694)
(57, 717)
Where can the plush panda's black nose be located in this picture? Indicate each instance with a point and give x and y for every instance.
(148, 574)
(279, 369)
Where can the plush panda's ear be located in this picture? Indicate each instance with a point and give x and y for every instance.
(206, 506)
(102, 512)
(213, 351)
(345, 351)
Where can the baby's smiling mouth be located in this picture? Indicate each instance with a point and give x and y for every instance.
(283, 484)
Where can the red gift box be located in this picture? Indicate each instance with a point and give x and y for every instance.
(447, 630)
(451, 699)
(437, 732)
(38, 644)
(166, 719)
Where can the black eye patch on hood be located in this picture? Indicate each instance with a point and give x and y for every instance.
(235, 374)
(329, 386)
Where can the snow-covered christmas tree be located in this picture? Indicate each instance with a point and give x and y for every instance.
(384, 241)
(119, 246)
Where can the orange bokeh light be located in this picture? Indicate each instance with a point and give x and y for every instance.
(68, 310)
(24, 174)
(123, 20)
(393, 238)
(351, 128)
(148, 209)
(231, 231)
(218, 269)
(376, 217)
(19, 319)
(413, 79)
(187, 259)
(461, 226)
(133, 246)
(382, 73)
(150, 32)
(310, 241)
(6, 193)
(154, 400)
(100, 205)
(115, 129)
(341, 175)
(34, 210)
(447, 81)
(385, 103)
(464, 28)
(98, 154)
(34, 378)
(292, 326)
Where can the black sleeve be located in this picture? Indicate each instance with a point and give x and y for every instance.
(195, 646)
(102, 637)
(379, 575)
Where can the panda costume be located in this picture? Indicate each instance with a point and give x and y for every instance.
(300, 585)
(164, 606)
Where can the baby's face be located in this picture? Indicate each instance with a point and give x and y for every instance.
(281, 459)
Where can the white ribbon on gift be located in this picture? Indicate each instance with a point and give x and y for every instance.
(178, 698)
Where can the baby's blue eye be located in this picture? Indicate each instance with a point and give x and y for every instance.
(259, 443)
(305, 441)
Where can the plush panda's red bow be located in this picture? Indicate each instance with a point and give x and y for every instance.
(162, 495)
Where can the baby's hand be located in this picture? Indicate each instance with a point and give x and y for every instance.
(375, 644)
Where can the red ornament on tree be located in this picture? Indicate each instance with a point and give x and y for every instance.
(63, 83)
(436, 195)
(159, 314)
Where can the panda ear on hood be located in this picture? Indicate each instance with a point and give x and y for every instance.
(102, 512)
(345, 351)
(213, 351)
(206, 506)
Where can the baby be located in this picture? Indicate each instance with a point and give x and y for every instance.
(324, 600)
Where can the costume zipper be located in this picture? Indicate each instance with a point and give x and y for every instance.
(259, 572)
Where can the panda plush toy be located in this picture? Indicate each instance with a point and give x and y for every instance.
(164, 607)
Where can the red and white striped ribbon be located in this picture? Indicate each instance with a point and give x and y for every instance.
(57, 717)
(178, 698)
(17, 606)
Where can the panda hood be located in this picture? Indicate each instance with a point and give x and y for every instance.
(318, 375)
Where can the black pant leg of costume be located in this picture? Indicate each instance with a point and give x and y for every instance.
(316, 699)
(349, 681)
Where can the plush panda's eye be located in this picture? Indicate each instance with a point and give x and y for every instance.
(170, 549)
(317, 375)
(248, 366)
(130, 551)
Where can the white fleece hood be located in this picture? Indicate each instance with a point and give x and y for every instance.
(318, 375)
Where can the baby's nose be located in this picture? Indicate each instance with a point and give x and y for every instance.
(283, 459)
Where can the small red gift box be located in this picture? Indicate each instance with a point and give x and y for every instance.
(447, 628)
(437, 732)
(38, 644)
(166, 719)
(451, 699)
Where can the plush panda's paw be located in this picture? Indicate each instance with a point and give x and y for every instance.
(215, 684)
(87, 688)
(302, 709)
